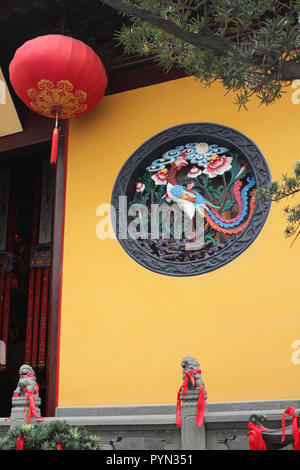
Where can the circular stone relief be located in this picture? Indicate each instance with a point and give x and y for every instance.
(184, 202)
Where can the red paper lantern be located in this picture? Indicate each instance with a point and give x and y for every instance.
(58, 77)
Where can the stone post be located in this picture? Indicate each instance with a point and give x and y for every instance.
(19, 414)
(192, 436)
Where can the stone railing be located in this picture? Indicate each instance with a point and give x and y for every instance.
(155, 427)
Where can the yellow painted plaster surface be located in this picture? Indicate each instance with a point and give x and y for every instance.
(124, 329)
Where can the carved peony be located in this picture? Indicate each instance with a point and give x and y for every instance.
(217, 165)
(194, 172)
(140, 187)
(160, 177)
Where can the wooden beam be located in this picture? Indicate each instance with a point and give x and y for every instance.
(53, 336)
(37, 131)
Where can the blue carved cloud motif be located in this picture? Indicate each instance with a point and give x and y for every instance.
(197, 153)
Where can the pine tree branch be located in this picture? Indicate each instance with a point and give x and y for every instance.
(284, 196)
(290, 70)
(205, 41)
(186, 6)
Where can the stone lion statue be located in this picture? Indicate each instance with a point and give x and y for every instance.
(27, 381)
(190, 364)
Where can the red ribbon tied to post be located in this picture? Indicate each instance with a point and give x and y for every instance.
(30, 396)
(256, 440)
(189, 376)
(32, 411)
(295, 429)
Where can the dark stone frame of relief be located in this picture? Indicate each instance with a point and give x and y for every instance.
(153, 149)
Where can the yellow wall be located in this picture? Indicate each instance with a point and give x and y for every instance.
(124, 329)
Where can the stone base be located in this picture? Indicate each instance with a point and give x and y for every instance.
(192, 437)
(19, 414)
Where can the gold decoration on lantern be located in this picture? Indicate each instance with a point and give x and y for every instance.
(48, 94)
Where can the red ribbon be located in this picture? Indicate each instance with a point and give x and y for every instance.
(30, 396)
(32, 411)
(189, 376)
(295, 429)
(36, 385)
(256, 441)
(20, 443)
(200, 407)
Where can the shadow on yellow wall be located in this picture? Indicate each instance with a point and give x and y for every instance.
(124, 329)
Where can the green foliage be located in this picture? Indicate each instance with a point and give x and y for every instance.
(288, 186)
(261, 41)
(46, 436)
(228, 204)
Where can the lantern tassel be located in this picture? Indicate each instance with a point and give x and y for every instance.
(55, 136)
(54, 147)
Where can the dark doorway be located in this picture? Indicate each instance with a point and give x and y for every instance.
(26, 180)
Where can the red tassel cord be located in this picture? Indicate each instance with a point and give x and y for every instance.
(188, 376)
(59, 447)
(295, 429)
(56, 109)
(54, 146)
